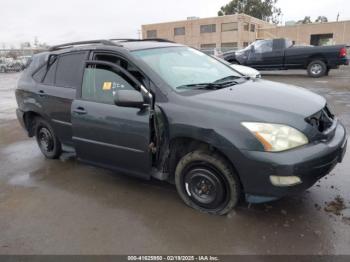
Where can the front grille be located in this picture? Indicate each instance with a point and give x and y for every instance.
(322, 120)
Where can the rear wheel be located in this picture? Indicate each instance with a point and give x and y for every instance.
(317, 68)
(47, 141)
(206, 182)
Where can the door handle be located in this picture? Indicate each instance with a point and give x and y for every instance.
(80, 110)
(41, 93)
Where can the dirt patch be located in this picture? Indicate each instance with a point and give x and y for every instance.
(335, 206)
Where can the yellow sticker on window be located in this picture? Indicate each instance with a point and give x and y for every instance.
(107, 86)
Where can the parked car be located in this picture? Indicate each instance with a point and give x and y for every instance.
(159, 109)
(281, 54)
(10, 65)
(3, 65)
(247, 71)
(244, 70)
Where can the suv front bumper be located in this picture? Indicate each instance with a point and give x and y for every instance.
(309, 163)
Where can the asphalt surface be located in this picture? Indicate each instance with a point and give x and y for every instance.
(65, 207)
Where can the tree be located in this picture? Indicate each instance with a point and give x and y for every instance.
(306, 20)
(321, 19)
(25, 45)
(36, 41)
(262, 9)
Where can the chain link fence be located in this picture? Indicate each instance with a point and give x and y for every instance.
(15, 60)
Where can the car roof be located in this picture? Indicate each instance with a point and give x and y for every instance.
(128, 44)
(141, 45)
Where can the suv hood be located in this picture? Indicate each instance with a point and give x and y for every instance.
(265, 95)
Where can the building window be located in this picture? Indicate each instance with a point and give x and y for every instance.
(229, 45)
(152, 34)
(229, 27)
(208, 46)
(179, 31)
(246, 26)
(245, 44)
(322, 39)
(208, 28)
(252, 27)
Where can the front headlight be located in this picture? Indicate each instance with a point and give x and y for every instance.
(276, 137)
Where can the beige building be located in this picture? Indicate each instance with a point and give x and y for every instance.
(314, 34)
(239, 30)
(229, 31)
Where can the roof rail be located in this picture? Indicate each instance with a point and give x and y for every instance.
(125, 39)
(158, 40)
(146, 39)
(67, 45)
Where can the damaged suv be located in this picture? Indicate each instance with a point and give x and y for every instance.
(153, 108)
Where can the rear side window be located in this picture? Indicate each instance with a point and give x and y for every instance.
(39, 75)
(36, 62)
(70, 70)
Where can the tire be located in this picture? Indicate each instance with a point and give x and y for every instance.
(2, 69)
(47, 141)
(327, 72)
(206, 182)
(316, 68)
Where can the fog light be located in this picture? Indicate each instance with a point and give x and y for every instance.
(285, 180)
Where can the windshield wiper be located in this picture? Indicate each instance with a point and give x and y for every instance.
(210, 86)
(228, 80)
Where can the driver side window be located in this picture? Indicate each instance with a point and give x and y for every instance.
(100, 83)
(263, 46)
(135, 72)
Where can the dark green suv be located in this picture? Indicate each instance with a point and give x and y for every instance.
(159, 109)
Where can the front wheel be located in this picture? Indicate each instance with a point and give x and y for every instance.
(317, 68)
(47, 141)
(206, 182)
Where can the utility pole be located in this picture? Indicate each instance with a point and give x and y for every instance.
(338, 17)
(36, 42)
(139, 33)
(281, 19)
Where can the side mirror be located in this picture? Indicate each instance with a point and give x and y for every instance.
(252, 48)
(129, 98)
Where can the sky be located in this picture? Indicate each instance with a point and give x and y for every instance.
(57, 21)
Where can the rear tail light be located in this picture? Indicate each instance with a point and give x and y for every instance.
(342, 52)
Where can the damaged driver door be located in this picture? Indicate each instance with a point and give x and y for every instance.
(105, 134)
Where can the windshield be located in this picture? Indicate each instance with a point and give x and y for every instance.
(184, 66)
(247, 47)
